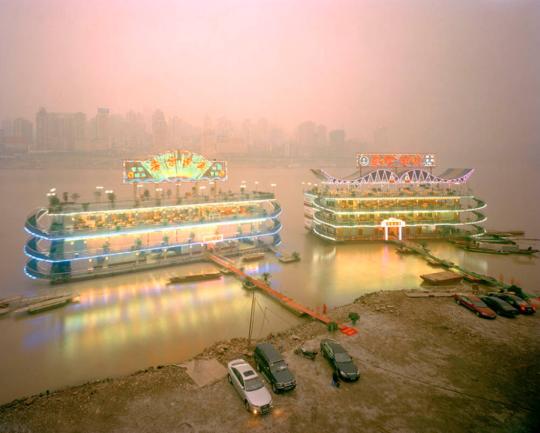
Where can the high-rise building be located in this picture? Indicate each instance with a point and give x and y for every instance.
(306, 134)
(102, 125)
(17, 135)
(60, 131)
(208, 139)
(337, 142)
(159, 131)
(137, 135)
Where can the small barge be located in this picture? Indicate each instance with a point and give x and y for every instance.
(190, 278)
(443, 277)
(252, 257)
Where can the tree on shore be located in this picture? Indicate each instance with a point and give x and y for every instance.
(354, 317)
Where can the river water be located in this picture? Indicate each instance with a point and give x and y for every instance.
(126, 323)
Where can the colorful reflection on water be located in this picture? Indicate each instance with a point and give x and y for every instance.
(125, 323)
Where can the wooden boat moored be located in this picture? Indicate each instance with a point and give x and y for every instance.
(252, 257)
(188, 278)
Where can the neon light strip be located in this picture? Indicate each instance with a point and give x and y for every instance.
(407, 225)
(400, 211)
(324, 236)
(159, 248)
(443, 197)
(335, 239)
(164, 207)
(156, 229)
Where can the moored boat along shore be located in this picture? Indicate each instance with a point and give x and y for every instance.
(426, 364)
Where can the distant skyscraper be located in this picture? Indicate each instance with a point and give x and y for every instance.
(102, 125)
(337, 142)
(60, 131)
(159, 131)
(306, 134)
(137, 136)
(208, 139)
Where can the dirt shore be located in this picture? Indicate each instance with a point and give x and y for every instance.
(427, 365)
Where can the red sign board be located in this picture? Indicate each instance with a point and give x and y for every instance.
(395, 160)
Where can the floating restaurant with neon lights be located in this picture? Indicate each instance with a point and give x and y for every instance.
(71, 241)
(393, 197)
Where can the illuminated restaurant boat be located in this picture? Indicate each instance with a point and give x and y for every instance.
(72, 241)
(393, 197)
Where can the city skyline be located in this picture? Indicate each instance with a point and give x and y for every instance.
(434, 76)
(105, 130)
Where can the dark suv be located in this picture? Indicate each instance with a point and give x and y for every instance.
(272, 365)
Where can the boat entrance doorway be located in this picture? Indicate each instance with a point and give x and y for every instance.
(393, 228)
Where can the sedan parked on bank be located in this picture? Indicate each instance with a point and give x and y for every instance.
(250, 387)
(501, 307)
(519, 304)
(339, 359)
(476, 305)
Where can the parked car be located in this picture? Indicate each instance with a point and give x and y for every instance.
(476, 305)
(250, 387)
(273, 367)
(501, 307)
(515, 301)
(339, 359)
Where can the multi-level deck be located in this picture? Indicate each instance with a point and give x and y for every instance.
(69, 241)
(388, 203)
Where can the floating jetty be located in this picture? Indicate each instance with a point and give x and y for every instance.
(278, 296)
(443, 277)
(48, 305)
(470, 276)
(505, 233)
(189, 278)
(37, 304)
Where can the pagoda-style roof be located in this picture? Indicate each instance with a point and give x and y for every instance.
(387, 176)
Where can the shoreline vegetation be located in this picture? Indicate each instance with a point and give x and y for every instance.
(426, 364)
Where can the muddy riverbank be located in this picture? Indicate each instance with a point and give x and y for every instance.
(426, 365)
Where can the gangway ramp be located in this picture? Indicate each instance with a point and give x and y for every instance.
(278, 296)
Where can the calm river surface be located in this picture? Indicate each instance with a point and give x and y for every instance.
(129, 322)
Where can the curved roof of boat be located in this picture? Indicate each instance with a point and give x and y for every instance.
(408, 176)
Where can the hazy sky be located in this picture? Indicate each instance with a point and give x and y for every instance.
(436, 74)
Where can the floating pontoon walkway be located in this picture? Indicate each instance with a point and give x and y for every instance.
(281, 298)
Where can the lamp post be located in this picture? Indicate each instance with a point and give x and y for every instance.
(158, 195)
(273, 186)
(98, 193)
(111, 196)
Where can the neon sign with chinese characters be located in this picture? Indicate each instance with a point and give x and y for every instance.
(175, 166)
(395, 160)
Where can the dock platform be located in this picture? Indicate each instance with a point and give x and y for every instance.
(278, 296)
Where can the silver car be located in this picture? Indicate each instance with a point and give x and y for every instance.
(250, 387)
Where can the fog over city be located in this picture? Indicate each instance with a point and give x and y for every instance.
(245, 216)
(453, 77)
